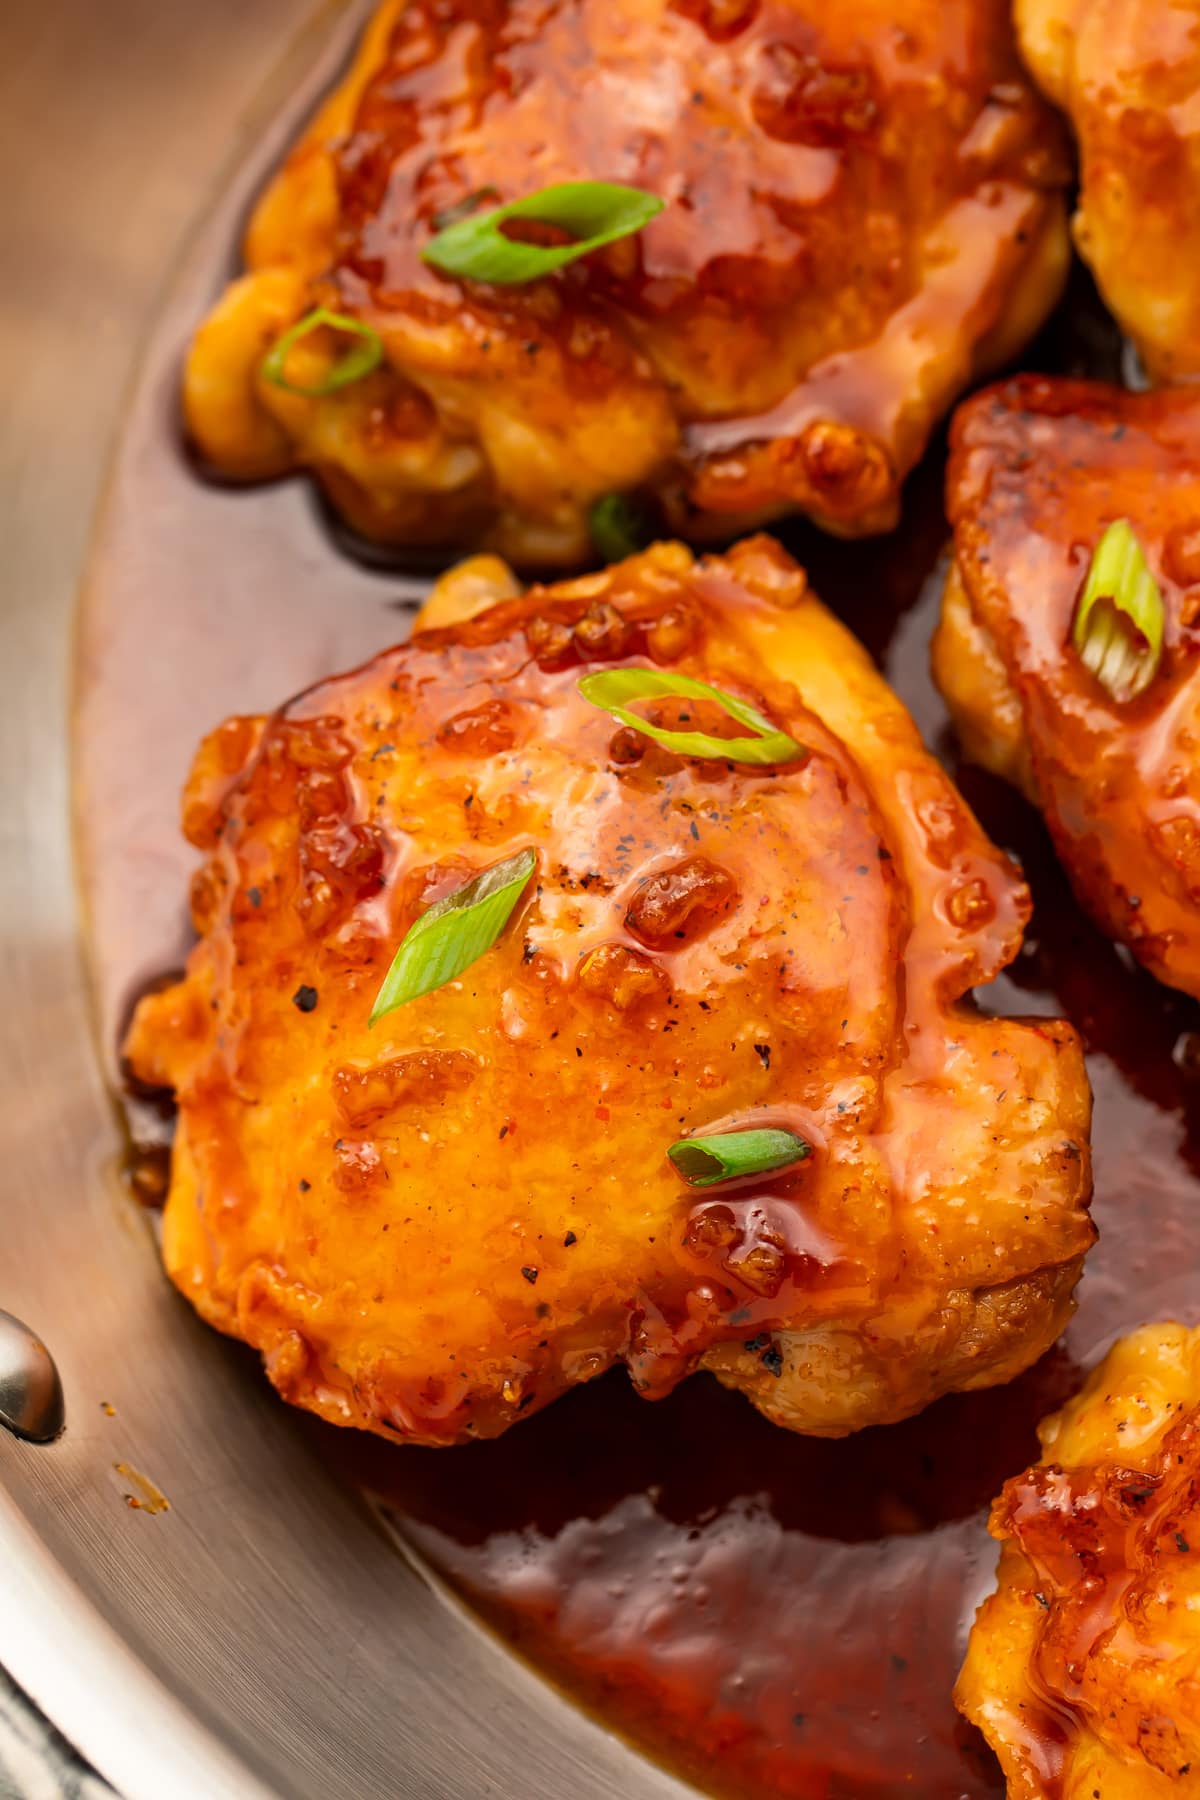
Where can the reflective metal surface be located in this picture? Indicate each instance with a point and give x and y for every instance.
(31, 1396)
(263, 1635)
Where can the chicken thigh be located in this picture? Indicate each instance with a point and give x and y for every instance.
(1083, 1669)
(1127, 72)
(432, 1225)
(863, 210)
(1038, 470)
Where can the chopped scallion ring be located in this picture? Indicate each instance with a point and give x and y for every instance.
(617, 528)
(612, 689)
(594, 212)
(365, 355)
(1120, 618)
(462, 209)
(454, 933)
(703, 1161)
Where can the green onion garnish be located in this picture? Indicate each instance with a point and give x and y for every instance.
(359, 360)
(612, 688)
(618, 528)
(462, 209)
(594, 212)
(454, 933)
(1120, 617)
(706, 1160)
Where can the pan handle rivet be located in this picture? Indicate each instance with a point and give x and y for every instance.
(31, 1396)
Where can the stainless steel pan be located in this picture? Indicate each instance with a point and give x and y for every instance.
(264, 1636)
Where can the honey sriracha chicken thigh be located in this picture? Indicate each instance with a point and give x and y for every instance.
(1039, 469)
(1127, 73)
(434, 1226)
(1083, 1669)
(862, 211)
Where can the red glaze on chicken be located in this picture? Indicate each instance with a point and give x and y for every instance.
(1083, 1668)
(435, 1226)
(863, 211)
(1039, 468)
(1127, 74)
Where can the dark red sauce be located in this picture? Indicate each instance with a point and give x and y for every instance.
(771, 1615)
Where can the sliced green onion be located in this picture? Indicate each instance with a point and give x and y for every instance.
(359, 360)
(705, 1160)
(594, 212)
(454, 933)
(612, 688)
(462, 209)
(1120, 617)
(618, 528)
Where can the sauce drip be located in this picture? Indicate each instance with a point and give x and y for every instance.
(774, 1616)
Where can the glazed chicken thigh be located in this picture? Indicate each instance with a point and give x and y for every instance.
(863, 210)
(434, 1225)
(1127, 73)
(1038, 470)
(1083, 1669)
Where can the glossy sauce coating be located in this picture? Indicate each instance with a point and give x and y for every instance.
(1084, 1667)
(778, 1615)
(1039, 468)
(1127, 74)
(653, 1547)
(835, 1562)
(863, 209)
(437, 1226)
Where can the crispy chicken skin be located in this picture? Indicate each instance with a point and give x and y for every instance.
(432, 1227)
(1038, 469)
(864, 211)
(1083, 1669)
(1127, 72)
